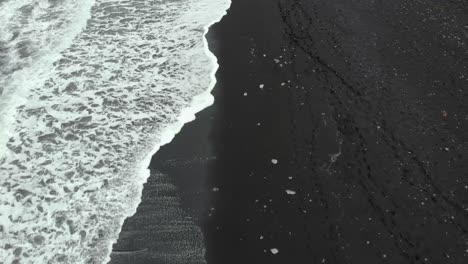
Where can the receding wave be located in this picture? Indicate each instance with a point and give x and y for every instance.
(84, 106)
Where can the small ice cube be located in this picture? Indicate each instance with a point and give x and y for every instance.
(274, 250)
(290, 192)
(261, 86)
(245, 94)
(274, 161)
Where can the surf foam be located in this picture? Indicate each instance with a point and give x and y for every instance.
(81, 139)
(32, 35)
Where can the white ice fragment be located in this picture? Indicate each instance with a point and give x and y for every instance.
(290, 192)
(245, 94)
(274, 161)
(261, 237)
(261, 86)
(274, 251)
(215, 189)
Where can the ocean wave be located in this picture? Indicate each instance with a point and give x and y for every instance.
(80, 140)
(32, 35)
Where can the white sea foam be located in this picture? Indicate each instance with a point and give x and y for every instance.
(32, 35)
(82, 136)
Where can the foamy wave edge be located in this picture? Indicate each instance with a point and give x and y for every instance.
(199, 102)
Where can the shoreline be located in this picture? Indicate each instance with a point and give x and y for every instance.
(187, 115)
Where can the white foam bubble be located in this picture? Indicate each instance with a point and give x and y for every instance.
(81, 140)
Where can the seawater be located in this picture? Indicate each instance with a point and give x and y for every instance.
(89, 90)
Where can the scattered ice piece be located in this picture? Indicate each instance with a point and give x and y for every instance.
(290, 192)
(261, 86)
(274, 251)
(274, 161)
(215, 189)
(261, 237)
(282, 84)
(245, 94)
(258, 124)
(290, 177)
(447, 149)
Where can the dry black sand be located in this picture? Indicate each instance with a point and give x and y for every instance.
(364, 108)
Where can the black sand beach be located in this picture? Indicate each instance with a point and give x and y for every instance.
(338, 135)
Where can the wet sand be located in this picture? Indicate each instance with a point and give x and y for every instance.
(338, 135)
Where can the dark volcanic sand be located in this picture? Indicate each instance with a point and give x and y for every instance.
(363, 106)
